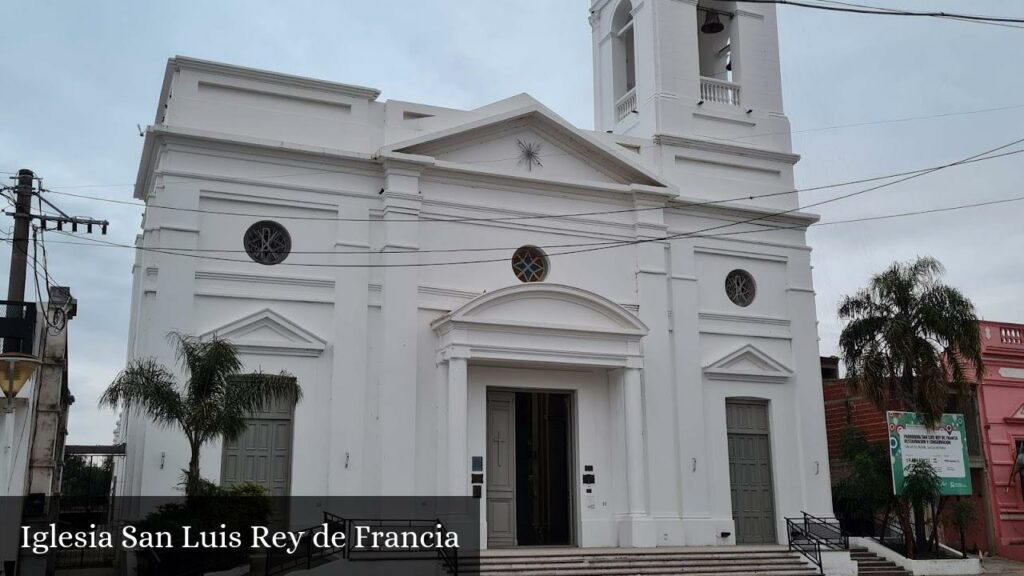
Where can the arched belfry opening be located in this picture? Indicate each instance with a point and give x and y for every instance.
(715, 39)
(624, 59)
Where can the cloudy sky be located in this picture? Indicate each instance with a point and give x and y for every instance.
(79, 76)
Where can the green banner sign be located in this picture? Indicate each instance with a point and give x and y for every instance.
(945, 447)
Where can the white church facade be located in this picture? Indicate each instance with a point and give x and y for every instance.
(607, 335)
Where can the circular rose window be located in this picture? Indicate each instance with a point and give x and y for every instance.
(267, 242)
(740, 287)
(530, 264)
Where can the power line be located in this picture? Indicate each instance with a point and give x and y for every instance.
(682, 203)
(106, 244)
(896, 10)
(57, 189)
(879, 11)
(875, 122)
(603, 247)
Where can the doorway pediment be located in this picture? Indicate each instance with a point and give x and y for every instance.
(542, 323)
(748, 364)
(267, 332)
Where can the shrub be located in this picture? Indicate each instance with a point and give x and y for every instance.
(210, 509)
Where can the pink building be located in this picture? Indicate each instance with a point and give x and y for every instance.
(1001, 409)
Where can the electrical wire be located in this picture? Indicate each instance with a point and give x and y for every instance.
(886, 9)
(872, 122)
(104, 244)
(595, 248)
(575, 245)
(879, 11)
(683, 203)
(50, 323)
(56, 189)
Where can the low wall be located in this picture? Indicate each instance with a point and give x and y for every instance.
(967, 565)
(838, 563)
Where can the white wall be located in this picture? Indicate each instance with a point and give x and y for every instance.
(373, 417)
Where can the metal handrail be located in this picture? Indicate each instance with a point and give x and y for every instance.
(277, 563)
(17, 327)
(804, 542)
(889, 530)
(449, 558)
(834, 536)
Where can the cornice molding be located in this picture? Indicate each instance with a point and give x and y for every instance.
(726, 148)
(749, 14)
(355, 91)
(720, 316)
(220, 276)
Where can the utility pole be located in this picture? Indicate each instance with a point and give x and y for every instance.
(19, 246)
(24, 191)
(19, 252)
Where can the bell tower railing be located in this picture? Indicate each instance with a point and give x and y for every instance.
(625, 105)
(720, 91)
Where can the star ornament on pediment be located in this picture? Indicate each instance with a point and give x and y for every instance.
(529, 154)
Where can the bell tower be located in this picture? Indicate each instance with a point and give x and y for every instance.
(691, 68)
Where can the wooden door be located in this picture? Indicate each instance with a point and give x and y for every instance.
(750, 472)
(501, 473)
(262, 455)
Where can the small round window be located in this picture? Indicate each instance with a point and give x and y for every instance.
(529, 264)
(740, 287)
(267, 242)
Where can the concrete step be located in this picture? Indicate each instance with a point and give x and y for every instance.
(675, 555)
(869, 563)
(637, 565)
(729, 561)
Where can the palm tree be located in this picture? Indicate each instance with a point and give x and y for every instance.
(213, 403)
(909, 341)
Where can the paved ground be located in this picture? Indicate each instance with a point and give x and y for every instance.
(1002, 566)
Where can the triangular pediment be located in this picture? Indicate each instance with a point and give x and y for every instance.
(1018, 415)
(748, 364)
(267, 332)
(496, 143)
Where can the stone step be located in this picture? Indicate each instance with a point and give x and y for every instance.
(723, 566)
(728, 561)
(869, 563)
(635, 571)
(636, 558)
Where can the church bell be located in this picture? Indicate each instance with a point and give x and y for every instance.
(712, 25)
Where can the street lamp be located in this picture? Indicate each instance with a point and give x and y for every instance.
(19, 368)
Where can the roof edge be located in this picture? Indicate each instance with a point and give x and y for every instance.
(353, 90)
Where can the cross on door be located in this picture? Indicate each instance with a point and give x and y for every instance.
(498, 441)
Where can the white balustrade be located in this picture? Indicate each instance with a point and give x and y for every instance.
(625, 105)
(720, 91)
(1009, 335)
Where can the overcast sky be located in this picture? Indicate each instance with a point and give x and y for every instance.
(79, 76)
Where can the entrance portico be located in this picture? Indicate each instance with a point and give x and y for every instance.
(510, 339)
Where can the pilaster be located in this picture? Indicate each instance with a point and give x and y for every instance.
(659, 394)
(694, 462)
(401, 204)
(636, 529)
(347, 474)
(458, 418)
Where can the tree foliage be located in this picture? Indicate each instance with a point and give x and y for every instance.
(85, 479)
(921, 484)
(214, 400)
(866, 487)
(910, 339)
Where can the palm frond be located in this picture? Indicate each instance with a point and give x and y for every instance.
(147, 386)
(907, 338)
(247, 394)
